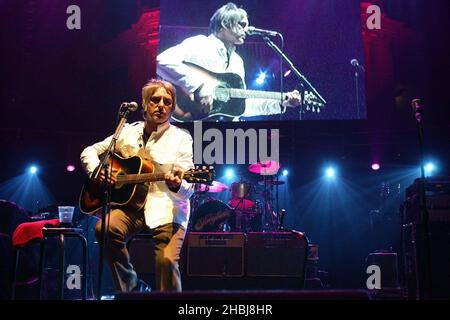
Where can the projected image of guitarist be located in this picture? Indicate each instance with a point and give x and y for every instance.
(210, 75)
(146, 194)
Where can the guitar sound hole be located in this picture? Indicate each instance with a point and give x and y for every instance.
(222, 94)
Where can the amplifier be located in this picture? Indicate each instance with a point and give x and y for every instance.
(438, 208)
(433, 186)
(413, 248)
(437, 191)
(215, 254)
(388, 264)
(276, 254)
(141, 249)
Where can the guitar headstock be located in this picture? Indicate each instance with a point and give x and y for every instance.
(201, 174)
(312, 102)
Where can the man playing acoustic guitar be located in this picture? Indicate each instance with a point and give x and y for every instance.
(200, 64)
(166, 209)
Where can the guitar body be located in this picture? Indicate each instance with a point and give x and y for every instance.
(126, 196)
(224, 107)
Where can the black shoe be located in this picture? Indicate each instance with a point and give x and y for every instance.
(141, 286)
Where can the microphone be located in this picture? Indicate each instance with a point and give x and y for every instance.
(261, 32)
(356, 64)
(132, 106)
(417, 107)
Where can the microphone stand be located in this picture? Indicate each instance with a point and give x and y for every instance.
(273, 46)
(357, 93)
(105, 166)
(426, 274)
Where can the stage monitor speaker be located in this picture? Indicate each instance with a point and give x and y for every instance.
(276, 254)
(215, 254)
(388, 264)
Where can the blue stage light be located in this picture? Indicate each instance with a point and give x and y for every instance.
(330, 172)
(285, 172)
(229, 173)
(430, 168)
(33, 169)
(261, 78)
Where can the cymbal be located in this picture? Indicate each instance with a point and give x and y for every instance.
(216, 186)
(272, 182)
(265, 167)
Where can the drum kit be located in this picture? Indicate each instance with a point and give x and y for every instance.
(252, 207)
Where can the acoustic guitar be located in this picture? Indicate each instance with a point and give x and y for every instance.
(131, 187)
(229, 96)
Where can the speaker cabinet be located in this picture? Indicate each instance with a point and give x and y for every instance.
(215, 254)
(141, 248)
(414, 260)
(276, 254)
(415, 250)
(388, 264)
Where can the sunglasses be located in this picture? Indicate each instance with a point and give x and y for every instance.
(157, 100)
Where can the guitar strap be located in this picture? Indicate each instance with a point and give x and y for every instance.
(145, 137)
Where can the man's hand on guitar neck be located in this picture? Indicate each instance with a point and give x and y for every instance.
(292, 99)
(173, 179)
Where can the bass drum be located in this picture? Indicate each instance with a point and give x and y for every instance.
(212, 216)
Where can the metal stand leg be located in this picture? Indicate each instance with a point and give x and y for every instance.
(14, 273)
(41, 266)
(85, 272)
(61, 267)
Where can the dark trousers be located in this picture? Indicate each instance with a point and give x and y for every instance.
(168, 239)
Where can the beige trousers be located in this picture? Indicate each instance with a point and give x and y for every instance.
(168, 241)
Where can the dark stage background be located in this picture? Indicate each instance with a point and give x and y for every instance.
(61, 89)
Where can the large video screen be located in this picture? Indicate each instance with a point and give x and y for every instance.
(263, 60)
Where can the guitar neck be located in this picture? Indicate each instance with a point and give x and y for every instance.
(247, 94)
(308, 98)
(140, 178)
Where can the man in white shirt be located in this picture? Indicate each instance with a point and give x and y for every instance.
(166, 210)
(217, 53)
